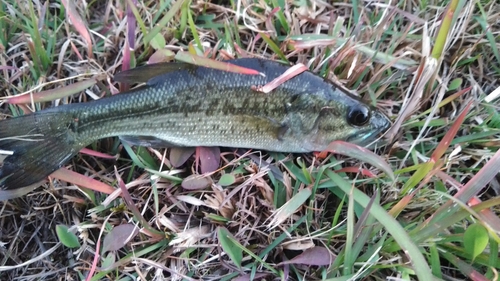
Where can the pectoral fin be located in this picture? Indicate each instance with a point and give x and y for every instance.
(301, 112)
(149, 141)
(282, 130)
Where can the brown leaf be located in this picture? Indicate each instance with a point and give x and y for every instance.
(81, 180)
(313, 256)
(209, 158)
(53, 94)
(161, 55)
(179, 155)
(196, 182)
(118, 237)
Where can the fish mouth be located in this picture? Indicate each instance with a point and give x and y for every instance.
(379, 123)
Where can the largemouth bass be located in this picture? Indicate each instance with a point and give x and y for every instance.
(191, 106)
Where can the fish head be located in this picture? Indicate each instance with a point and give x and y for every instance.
(366, 123)
(348, 119)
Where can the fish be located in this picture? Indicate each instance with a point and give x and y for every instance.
(183, 105)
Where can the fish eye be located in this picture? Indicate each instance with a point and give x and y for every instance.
(358, 115)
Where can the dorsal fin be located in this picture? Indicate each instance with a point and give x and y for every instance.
(146, 73)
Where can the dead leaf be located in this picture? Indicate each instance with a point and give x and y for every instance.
(209, 158)
(118, 237)
(179, 155)
(196, 182)
(314, 256)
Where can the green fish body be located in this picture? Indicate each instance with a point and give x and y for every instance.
(191, 106)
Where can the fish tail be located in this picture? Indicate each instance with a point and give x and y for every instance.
(34, 146)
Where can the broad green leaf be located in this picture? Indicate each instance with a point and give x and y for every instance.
(475, 240)
(230, 246)
(109, 260)
(69, 239)
(227, 179)
(158, 42)
(455, 84)
(146, 158)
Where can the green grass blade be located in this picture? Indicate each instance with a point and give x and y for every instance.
(391, 225)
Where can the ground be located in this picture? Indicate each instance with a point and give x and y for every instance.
(427, 205)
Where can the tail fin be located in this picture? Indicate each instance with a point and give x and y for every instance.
(33, 146)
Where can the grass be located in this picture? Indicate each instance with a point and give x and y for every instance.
(432, 66)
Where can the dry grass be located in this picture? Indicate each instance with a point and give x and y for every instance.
(388, 53)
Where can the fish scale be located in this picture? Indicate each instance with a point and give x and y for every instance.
(192, 106)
